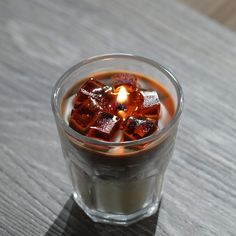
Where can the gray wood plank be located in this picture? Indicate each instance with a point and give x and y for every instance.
(39, 40)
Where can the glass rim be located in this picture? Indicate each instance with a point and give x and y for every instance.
(81, 137)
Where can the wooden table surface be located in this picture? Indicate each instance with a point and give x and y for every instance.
(39, 40)
(222, 11)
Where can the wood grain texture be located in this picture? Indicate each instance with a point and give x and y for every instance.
(39, 40)
(222, 11)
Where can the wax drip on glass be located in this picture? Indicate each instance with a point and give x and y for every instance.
(122, 99)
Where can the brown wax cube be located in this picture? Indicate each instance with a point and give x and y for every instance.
(104, 127)
(137, 128)
(150, 105)
(125, 79)
(82, 116)
(93, 89)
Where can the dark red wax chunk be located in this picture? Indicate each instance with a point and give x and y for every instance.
(104, 127)
(93, 89)
(82, 116)
(125, 79)
(136, 128)
(149, 106)
(97, 91)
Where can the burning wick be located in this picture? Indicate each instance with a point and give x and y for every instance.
(122, 97)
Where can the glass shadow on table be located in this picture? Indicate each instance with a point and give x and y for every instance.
(72, 221)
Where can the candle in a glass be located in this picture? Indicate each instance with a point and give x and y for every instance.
(121, 140)
(103, 112)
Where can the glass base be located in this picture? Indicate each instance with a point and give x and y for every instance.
(117, 219)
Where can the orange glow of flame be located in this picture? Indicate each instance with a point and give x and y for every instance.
(122, 95)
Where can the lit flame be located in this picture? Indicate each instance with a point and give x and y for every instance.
(122, 95)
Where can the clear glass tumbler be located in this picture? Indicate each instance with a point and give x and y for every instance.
(117, 182)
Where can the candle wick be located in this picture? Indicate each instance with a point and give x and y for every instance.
(121, 107)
